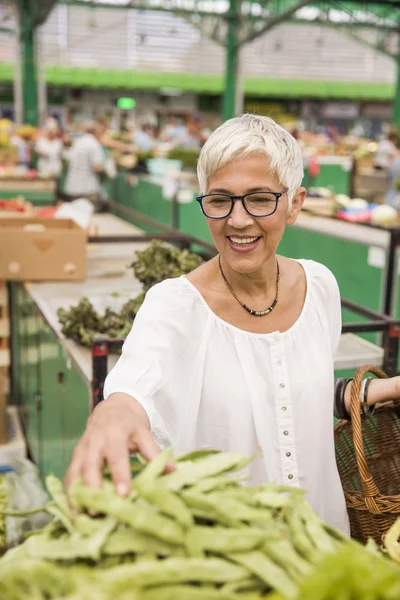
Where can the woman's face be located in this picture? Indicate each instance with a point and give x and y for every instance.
(239, 177)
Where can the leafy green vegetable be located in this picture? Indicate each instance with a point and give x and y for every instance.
(159, 261)
(162, 261)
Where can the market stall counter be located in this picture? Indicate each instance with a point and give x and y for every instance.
(40, 192)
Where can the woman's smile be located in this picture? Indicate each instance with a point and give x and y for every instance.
(243, 243)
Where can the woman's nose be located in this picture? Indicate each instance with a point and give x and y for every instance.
(239, 217)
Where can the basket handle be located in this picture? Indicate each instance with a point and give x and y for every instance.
(369, 486)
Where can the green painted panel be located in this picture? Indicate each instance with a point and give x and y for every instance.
(148, 199)
(26, 356)
(54, 426)
(330, 176)
(193, 222)
(51, 413)
(348, 260)
(144, 197)
(75, 407)
(37, 198)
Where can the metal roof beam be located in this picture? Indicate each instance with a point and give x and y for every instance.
(272, 22)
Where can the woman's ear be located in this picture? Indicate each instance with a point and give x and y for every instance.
(297, 203)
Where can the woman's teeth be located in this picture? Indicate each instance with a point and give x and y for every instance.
(243, 241)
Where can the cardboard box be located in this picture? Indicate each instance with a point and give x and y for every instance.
(35, 249)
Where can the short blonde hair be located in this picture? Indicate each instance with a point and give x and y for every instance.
(249, 133)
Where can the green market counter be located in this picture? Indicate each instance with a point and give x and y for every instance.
(334, 172)
(37, 191)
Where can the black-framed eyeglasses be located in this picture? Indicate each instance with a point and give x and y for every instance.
(256, 204)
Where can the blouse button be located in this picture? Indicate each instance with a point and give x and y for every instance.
(281, 385)
(288, 454)
(290, 476)
(279, 362)
(285, 433)
(284, 408)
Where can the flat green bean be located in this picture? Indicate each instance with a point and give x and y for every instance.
(267, 570)
(70, 547)
(283, 554)
(210, 507)
(190, 472)
(239, 510)
(196, 454)
(125, 540)
(168, 503)
(221, 540)
(187, 592)
(154, 468)
(144, 520)
(173, 570)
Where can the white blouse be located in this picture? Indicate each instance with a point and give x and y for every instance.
(205, 383)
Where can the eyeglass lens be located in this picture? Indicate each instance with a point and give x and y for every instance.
(259, 204)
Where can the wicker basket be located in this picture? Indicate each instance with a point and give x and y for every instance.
(368, 459)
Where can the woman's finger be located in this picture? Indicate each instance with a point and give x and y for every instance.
(117, 459)
(93, 464)
(146, 445)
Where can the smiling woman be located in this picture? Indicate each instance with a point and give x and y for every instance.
(239, 354)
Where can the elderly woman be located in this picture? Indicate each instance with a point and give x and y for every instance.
(239, 354)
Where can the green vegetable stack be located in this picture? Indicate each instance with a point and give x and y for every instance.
(196, 533)
(162, 261)
(158, 262)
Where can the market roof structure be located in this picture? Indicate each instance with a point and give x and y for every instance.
(233, 23)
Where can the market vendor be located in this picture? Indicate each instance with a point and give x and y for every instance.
(49, 149)
(238, 355)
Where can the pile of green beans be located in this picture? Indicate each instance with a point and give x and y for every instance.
(194, 534)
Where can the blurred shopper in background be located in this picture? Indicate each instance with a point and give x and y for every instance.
(144, 139)
(385, 152)
(49, 149)
(194, 133)
(86, 165)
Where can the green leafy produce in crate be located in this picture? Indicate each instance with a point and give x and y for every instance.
(195, 533)
(162, 261)
(158, 262)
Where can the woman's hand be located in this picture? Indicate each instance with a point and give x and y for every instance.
(117, 427)
(379, 390)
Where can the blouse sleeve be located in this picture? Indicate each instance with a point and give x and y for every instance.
(328, 294)
(151, 355)
(335, 312)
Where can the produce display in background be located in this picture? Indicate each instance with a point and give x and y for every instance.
(188, 158)
(82, 322)
(158, 262)
(162, 261)
(193, 534)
